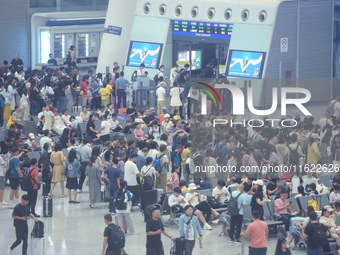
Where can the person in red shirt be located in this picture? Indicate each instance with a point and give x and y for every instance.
(258, 232)
(33, 194)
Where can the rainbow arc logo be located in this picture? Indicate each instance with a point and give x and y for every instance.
(211, 92)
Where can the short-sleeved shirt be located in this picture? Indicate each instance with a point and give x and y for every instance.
(14, 163)
(114, 175)
(130, 173)
(20, 211)
(122, 83)
(279, 203)
(89, 132)
(247, 187)
(104, 92)
(254, 205)
(270, 187)
(160, 94)
(309, 231)
(241, 200)
(154, 241)
(34, 173)
(258, 231)
(106, 124)
(107, 233)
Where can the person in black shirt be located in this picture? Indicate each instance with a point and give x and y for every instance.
(148, 118)
(154, 229)
(257, 201)
(91, 128)
(51, 60)
(248, 186)
(131, 111)
(108, 247)
(20, 223)
(316, 234)
(17, 63)
(272, 187)
(281, 247)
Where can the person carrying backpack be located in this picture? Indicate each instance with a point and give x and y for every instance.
(294, 151)
(236, 203)
(123, 208)
(316, 234)
(114, 238)
(162, 167)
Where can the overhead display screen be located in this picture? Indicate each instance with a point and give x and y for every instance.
(247, 64)
(202, 29)
(144, 52)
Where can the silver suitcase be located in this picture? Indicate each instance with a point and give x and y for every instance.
(37, 246)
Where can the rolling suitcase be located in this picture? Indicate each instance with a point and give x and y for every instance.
(148, 197)
(178, 247)
(37, 239)
(47, 206)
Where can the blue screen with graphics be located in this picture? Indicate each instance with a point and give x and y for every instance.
(247, 64)
(144, 52)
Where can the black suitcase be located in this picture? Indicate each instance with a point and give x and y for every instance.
(38, 230)
(47, 206)
(149, 197)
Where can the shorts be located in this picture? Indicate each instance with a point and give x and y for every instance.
(2, 182)
(14, 183)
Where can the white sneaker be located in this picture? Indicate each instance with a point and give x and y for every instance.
(9, 251)
(11, 205)
(4, 203)
(207, 226)
(339, 251)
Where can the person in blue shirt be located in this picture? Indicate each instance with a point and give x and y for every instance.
(122, 84)
(96, 100)
(112, 174)
(15, 175)
(175, 132)
(189, 229)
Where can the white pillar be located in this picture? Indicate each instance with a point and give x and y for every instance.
(114, 47)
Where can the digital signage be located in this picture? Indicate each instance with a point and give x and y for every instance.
(247, 64)
(144, 52)
(202, 29)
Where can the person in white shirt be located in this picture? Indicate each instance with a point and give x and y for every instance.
(220, 192)
(85, 114)
(173, 74)
(66, 117)
(130, 174)
(140, 72)
(115, 125)
(105, 128)
(49, 118)
(325, 120)
(160, 93)
(167, 124)
(155, 130)
(153, 151)
(46, 139)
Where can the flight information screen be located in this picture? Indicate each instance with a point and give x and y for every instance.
(202, 29)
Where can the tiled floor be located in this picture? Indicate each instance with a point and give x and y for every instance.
(76, 229)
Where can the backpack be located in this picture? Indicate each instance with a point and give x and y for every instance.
(155, 79)
(147, 182)
(294, 157)
(38, 230)
(117, 237)
(157, 164)
(319, 234)
(314, 204)
(233, 208)
(119, 201)
(26, 181)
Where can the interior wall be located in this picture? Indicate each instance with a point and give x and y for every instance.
(14, 30)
